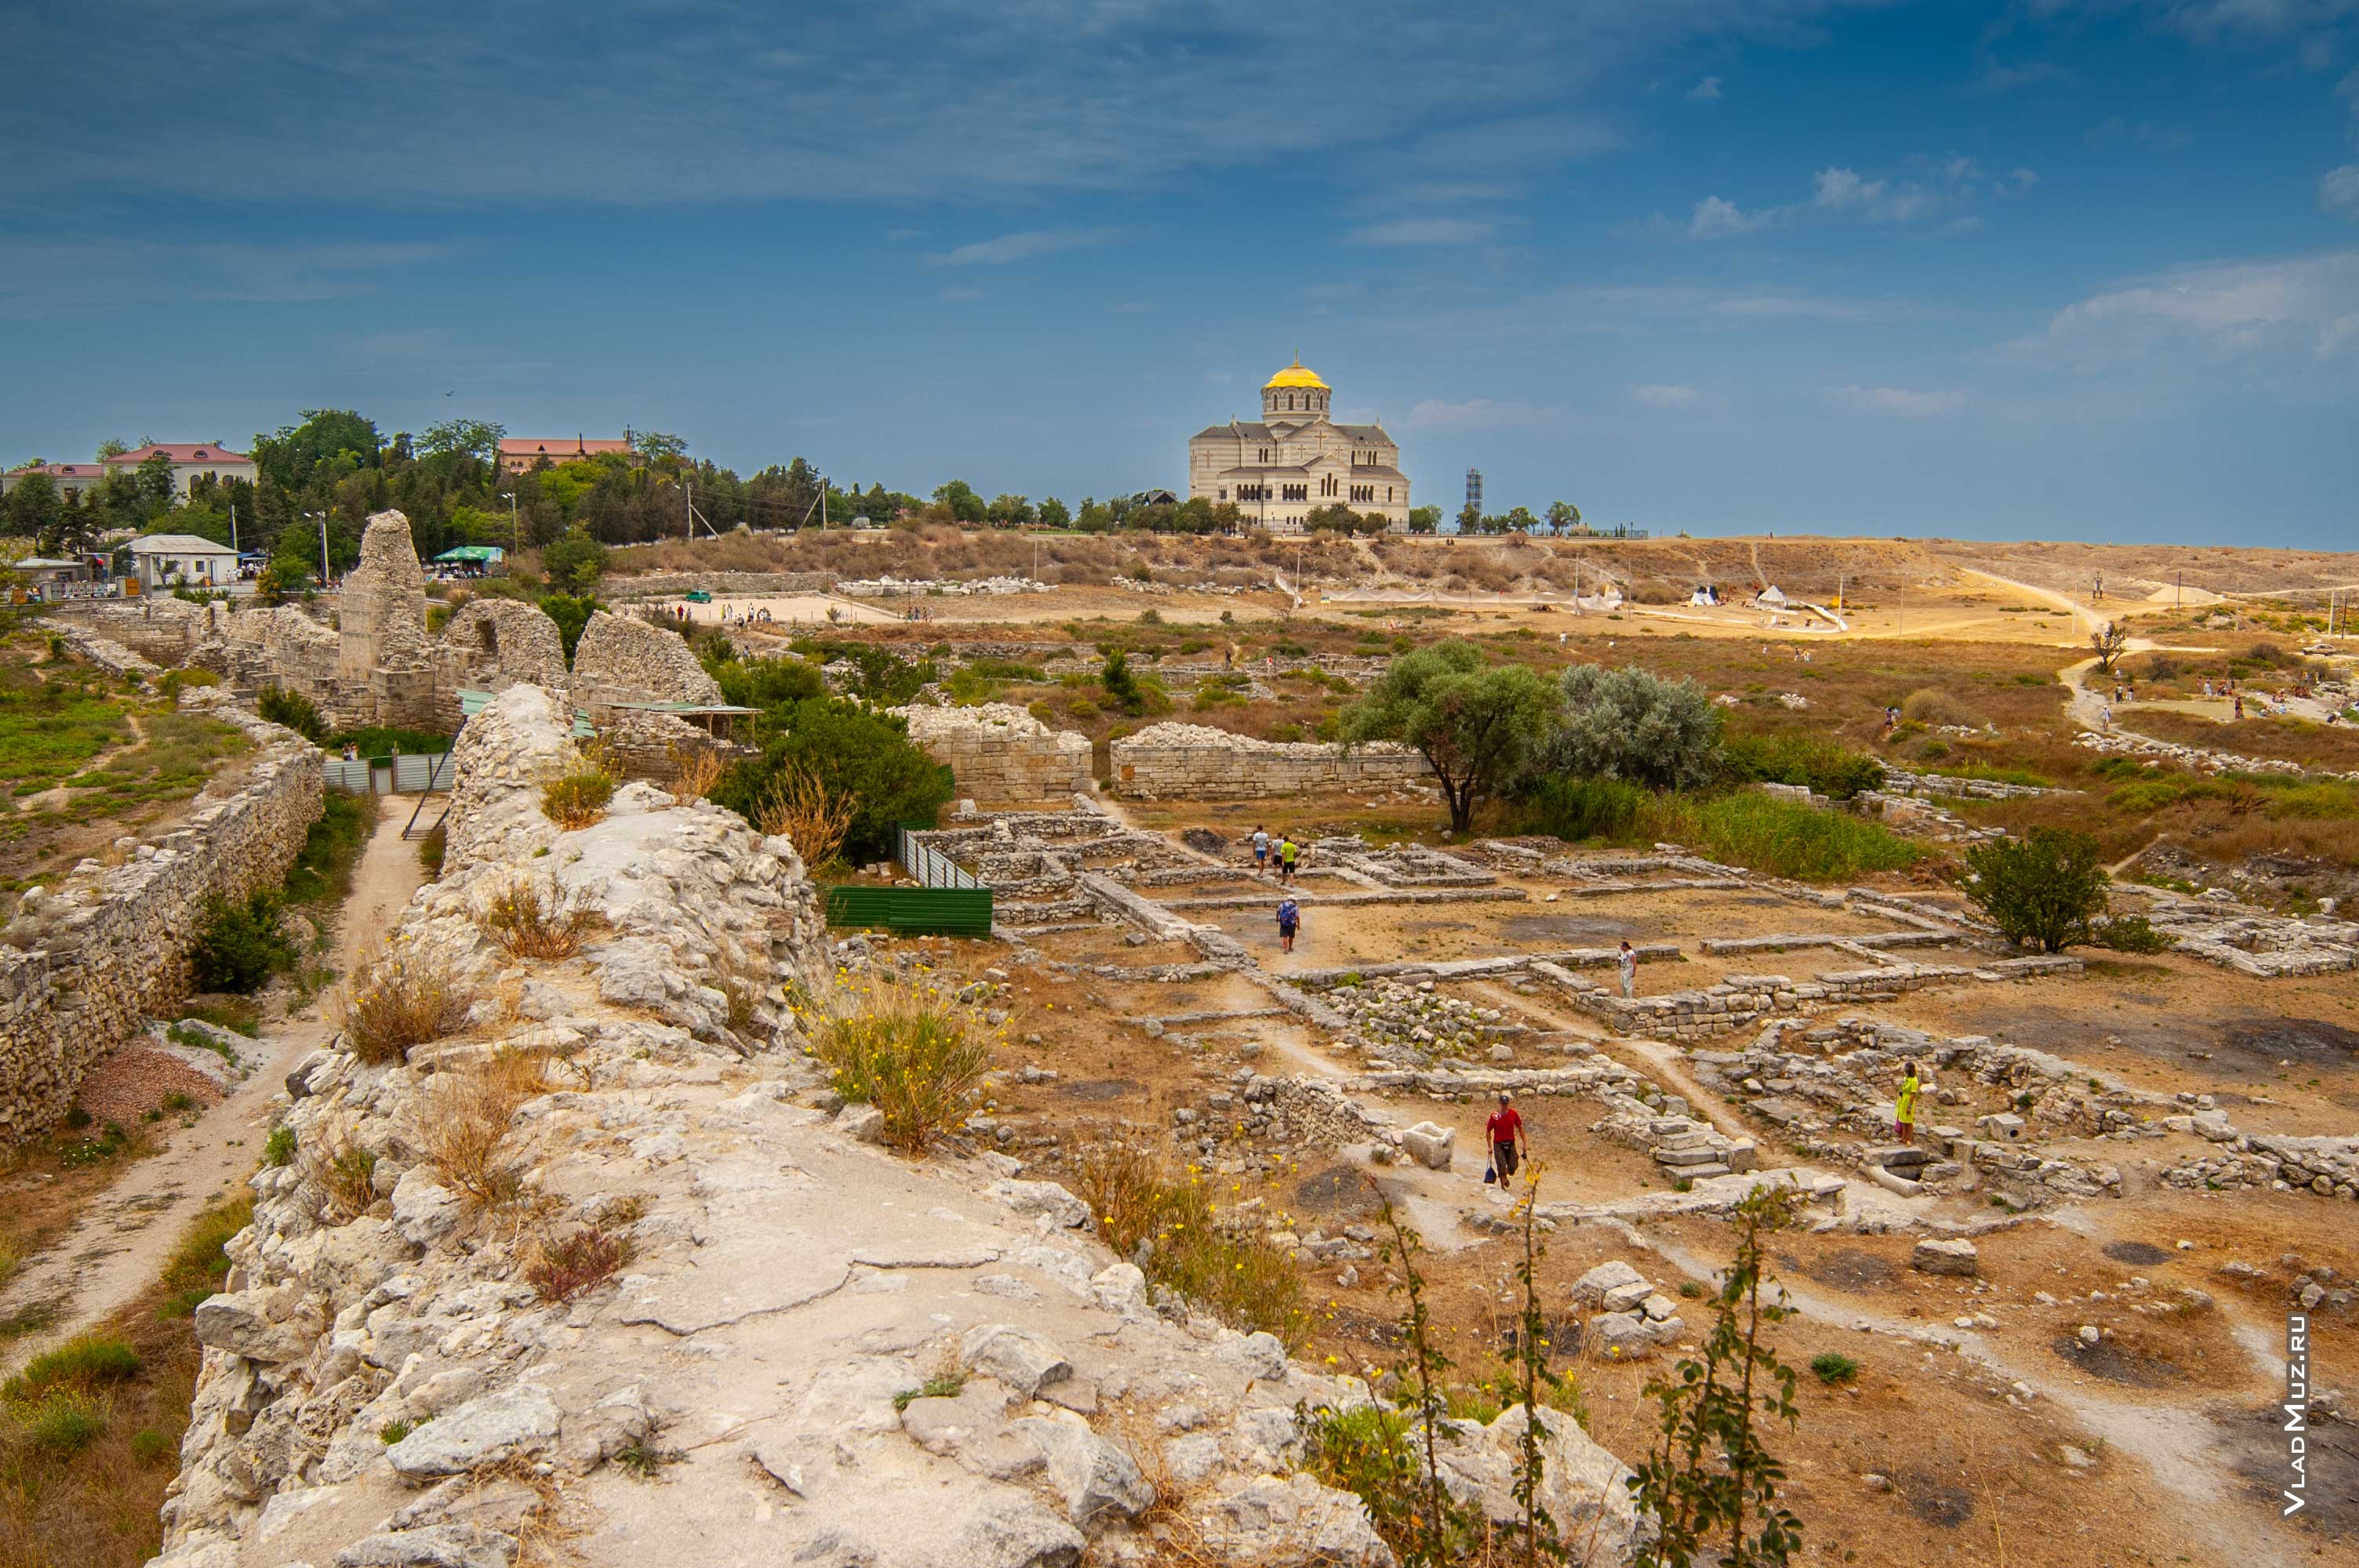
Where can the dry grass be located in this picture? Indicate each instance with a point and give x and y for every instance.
(405, 999)
(909, 1049)
(798, 805)
(1136, 1199)
(565, 1267)
(340, 1175)
(695, 771)
(530, 921)
(464, 1115)
(1930, 705)
(579, 799)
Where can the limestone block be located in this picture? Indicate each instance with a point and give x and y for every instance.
(1937, 1256)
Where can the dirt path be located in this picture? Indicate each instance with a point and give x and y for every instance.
(119, 1243)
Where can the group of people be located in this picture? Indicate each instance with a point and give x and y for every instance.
(1283, 853)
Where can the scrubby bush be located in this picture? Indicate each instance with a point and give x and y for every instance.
(565, 1267)
(911, 1052)
(1576, 809)
(1833, 1367)
(855, 754)
(432, 847)
(1830, 770)
(1633, 725)
(294, 710)
(1930, 705)
(1237, 1275)
(1786, 839)
(2130, 934)
(528, 920)
(2043, 889)
(466, 1114)
(579, 799)
(241, 945)
(405, 999)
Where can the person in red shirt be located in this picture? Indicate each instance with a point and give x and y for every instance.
(1506, 1130)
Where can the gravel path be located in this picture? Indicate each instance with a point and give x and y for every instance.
(118, 1245)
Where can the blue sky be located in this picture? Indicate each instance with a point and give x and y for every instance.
(2047, 269)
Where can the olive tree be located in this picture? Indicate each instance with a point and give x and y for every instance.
(2044, 887)
(1630, 725)
(1479, 725)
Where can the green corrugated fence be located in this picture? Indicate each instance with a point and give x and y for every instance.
(938, 912)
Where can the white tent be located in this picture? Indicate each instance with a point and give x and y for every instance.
(1770, 596)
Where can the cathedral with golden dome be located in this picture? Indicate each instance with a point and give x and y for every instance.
(1294, 460)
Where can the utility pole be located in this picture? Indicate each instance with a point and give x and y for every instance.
(516, 526)
(232, 530)
(323, 545)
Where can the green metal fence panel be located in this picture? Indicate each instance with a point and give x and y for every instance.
(935, 912)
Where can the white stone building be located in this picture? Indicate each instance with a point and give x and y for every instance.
(1295, 459)
(163, 560)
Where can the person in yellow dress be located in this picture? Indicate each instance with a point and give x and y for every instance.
(1904, 1109)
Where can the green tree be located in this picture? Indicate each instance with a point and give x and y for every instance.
(571, 612)
(2044, 887)
(1007, 511)
(1470, 519)
(1520, 520)
(154, 479)
(858, 753)
(33, 507)
(657, 449)
(958, 498)
(1121, 686)
(1479, 726)
(1563, 516)
(1633, 725)
(462, 438)
(1053, 513)
(574, 563)
(113, 447)
(1424, 519)
(328, 438)
(1095, 516)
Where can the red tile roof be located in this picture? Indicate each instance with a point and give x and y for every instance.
(60, 471)
(215, 453)
(556, 447)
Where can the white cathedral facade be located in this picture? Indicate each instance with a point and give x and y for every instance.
(1295, 460)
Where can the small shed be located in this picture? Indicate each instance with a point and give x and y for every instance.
(164, 560)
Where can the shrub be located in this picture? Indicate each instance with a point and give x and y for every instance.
(858, 755)
(341, 1177)
(405, 999)
(149, 1446)
(1121, 685)
(797, 805)
(579, 799)
(1833, 771)
(1833, 1368)
(1634, 724)
(564, 1269)
(911, 1052)
(1238, 1276)
(528, 922)
(278, 1149)
(63, 1423)
(694, 772)
(241, 945)
(1580, 809)
(2130, 934)
(1927, 705)
(2044, 887)
(294, 710)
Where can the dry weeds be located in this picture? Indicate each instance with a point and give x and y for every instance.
(406, 997)
(528, 920)
(798, 805)
(465, 1114)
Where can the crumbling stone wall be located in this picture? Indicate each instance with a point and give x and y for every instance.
(491, 644)
(621, 658)
(165, 630)
(1193, 762)
(1000, 752)
(381, 610)
(84, 964)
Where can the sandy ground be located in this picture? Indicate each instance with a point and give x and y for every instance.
(117, 1245)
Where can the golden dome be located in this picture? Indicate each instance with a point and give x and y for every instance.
(1295, 375)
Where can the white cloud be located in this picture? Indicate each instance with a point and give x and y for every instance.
(1483, 413)
(1838, 188)
(2338, 191)
(1900, 400)
(1705, 91)
(2025, 178)
(1717, 218)
(1026, 246)
(1424, 232)
(1663, 395)
(2292, 309)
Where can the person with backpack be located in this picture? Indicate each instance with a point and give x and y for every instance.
(1289, 921)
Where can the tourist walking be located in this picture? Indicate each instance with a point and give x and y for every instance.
(1626, 961)
(1289, 852)
(1260, 849)
(1289, 921)
(1505, 1133)
(1904, 1107)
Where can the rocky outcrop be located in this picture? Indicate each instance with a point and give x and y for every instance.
(84, 963)
(381, 610)
(491, 644)
(821, 1352)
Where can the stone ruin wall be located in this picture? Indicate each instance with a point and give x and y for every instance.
(381, 610)
(84, 964)
(621, 658)
(671, 585)
(1192, 761)
(1001, 753)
